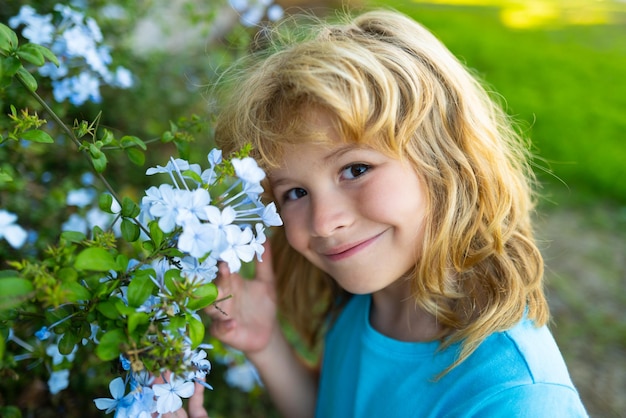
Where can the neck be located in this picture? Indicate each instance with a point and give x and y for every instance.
(395, 314)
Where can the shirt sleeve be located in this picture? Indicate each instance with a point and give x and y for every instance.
(539, 400)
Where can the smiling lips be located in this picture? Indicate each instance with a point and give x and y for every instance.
(345, 251)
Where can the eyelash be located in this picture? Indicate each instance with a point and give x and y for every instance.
(364, 167)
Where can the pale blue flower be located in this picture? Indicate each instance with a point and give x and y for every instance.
(239, 248)
(214, 157)
(80, 197)
(198, 239)
(57, 358)
(248, 170)
(24, 16)
(43, 334)
(10, 231)
(75, 223)
(124, 362)
(169, 394)
(167, 207)
(87, 178)
(141, 403)
(275, 12)
(192, 205)
(123, 78)
(117, 388)
(258, 240)
(253, 15)
(77, 41)
(243, 376)
(194, 270)
(58, 381)
(270, 215)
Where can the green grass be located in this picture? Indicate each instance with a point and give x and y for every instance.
(566, 86)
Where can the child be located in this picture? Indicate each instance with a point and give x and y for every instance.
(407, 242)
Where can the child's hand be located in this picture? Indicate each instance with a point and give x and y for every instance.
(246, 320)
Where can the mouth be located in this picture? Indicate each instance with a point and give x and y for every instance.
(344, 251)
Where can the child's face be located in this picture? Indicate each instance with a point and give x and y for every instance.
(354, 212)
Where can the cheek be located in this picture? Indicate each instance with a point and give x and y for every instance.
(294, 231)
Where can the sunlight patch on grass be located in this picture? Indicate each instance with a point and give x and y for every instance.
(549, 13)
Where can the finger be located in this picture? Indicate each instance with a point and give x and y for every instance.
(196, 403)
(265, 269)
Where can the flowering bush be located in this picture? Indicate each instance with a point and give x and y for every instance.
(123, 281)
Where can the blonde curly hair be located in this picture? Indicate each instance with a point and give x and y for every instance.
(392, 85)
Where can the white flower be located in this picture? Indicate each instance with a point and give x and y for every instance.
(270, 216)
(9, 230)
(58, 381)
(117, 388)
(80, 197)
(169, 394)
(239, 248)
(248, 170)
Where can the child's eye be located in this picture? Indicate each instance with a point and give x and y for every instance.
(354, 170)
(294, 194)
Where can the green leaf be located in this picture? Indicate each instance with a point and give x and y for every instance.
(68, 342)
(13, 291)
(31, 54)
(105, 201)
(196, 331)
(99, 162)
(95, 259)
(136, 156)
(10, 412)
(8, 39)
(203, 296)
(9, 66)
(37, 135)
(2, 349)
(108, 309)
(49, 55)
(130, 230)
(131, 141)
(139, 289)
(110, 344)
(155, 233)
(73, 236)
(26, 78)
(129, 208)
(136, 319)
(75, 292)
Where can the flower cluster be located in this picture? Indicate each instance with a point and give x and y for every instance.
(211, 216)
(77, 42)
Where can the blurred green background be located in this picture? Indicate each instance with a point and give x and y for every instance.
(561, 68)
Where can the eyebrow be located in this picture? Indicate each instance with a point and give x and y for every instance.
(334, 155)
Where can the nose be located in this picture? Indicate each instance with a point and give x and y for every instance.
(329, 213)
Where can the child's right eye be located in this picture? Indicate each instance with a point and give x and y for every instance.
(294, 194)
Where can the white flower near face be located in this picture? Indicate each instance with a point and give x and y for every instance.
(169, 394)
(239, 248)
(248, 170)
(192, 205)
(270, 215)
(198, 239)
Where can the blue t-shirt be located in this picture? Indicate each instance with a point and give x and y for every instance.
(517, 373)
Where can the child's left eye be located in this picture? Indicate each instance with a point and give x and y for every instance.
(354, 170)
